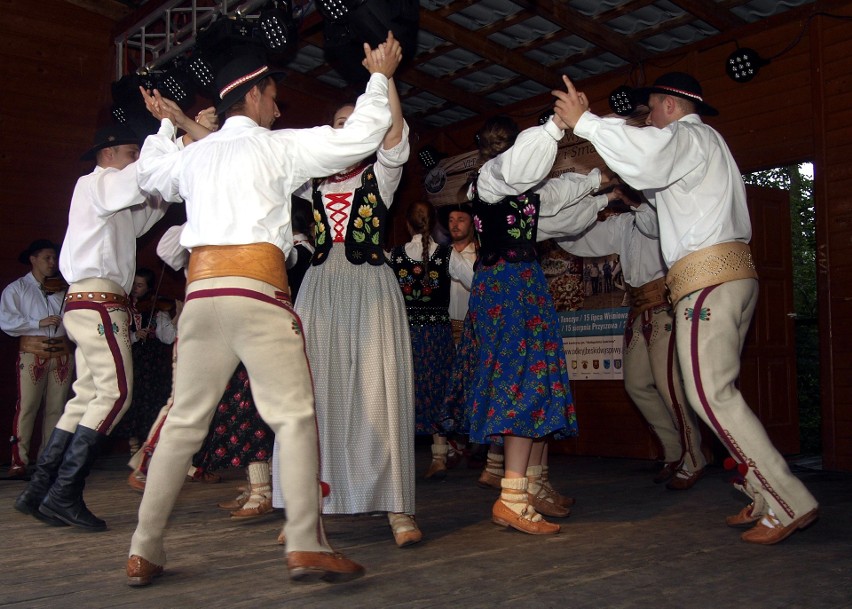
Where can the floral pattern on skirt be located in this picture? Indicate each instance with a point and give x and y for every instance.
(520, 384)
(432, 353)
(455, 416)
(237, 434)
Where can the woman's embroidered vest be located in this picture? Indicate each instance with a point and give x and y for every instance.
(366, 228)
(426, 290)
(506, 229)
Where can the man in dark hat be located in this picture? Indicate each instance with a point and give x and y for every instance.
(237, 185)
(98, 258)
(31, 309)
(686, 171)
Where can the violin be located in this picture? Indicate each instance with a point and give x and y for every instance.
(54, 284)
(162, 303)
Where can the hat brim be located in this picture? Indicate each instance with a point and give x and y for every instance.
(239, 92)
(93, 151)
(701, 107)
(24, 257)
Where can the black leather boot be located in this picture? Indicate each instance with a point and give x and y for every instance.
(64, 500)
(44, 476)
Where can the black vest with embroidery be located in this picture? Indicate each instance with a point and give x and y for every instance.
(365, 230)
(506, 229)
(426, 290)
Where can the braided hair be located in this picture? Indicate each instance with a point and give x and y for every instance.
(420, 216)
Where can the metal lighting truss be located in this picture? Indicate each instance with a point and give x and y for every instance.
(156, 39)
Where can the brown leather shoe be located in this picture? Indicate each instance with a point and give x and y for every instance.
(437, 470)
(327, 566)
(745, 517)
(135, 482)
(547, 508)
(666, 473)
(556, 497)
(248, 513)
(17, 471)
(683, 480)
(504, 516)
(140, 572)
(239, 502)
(770, 530)
(489, 480)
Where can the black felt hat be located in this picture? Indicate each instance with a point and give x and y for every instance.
(678, 84)
(35, 247)
(112, 135)
(239, 75)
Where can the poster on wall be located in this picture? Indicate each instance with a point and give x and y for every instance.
(591, 302)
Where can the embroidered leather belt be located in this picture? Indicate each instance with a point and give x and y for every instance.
(710, 266)
(109, 297)
(458, 327)
(262, 261)
(45, 347)
(647, 296)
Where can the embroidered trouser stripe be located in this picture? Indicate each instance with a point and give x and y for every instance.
(711, 326)
(652, 379)
(104, 385)
(227, 320)
(37, 377)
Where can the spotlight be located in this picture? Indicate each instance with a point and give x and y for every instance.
(429, 156)
(277, 29)
(337, 10)
(744, 64)
(545, 117)
(201, 71)
(622, 101)
(128, 107)
(350, 23)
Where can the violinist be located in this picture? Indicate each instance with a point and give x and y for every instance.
(31, 309)
(152, 332)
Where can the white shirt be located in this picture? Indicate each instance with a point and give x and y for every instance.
(337, 193)
(461, 268)
(108, 212)
(522, 166)
(685, 170)
(632, 235)
(237, 181)
(459, 294)
(24, 304)
(170, 250)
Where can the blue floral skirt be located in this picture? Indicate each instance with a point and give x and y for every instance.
(432, 353)
(520, 384)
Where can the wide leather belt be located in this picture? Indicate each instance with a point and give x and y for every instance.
(45, 347)
(262, 261)
(710, 266)
(104, 297)
(647, 296)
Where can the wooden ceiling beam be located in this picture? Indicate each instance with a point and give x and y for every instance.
(722, 20)
(471, 41)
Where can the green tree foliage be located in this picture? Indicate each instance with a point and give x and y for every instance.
(803, 221)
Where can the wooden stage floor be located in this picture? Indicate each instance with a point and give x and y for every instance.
(628, 544)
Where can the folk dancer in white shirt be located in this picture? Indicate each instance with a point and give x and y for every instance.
(687, 172)
(31, 310)
(651, 371)
(98, 258)
(237, 184)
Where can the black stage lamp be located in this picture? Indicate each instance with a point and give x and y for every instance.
(276, 27)
(175, 84)
(200, 70)
(128, 107)
(744, 64)
(350, 23)
(622, 101)
(430, 157)
(545, 117)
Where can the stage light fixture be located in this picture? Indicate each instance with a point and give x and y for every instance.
(545, 117)
(128, 107)
(337, 10)
(744, 64)
(430, 157)
(201, 71)
(622, 101)
(276, 27)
